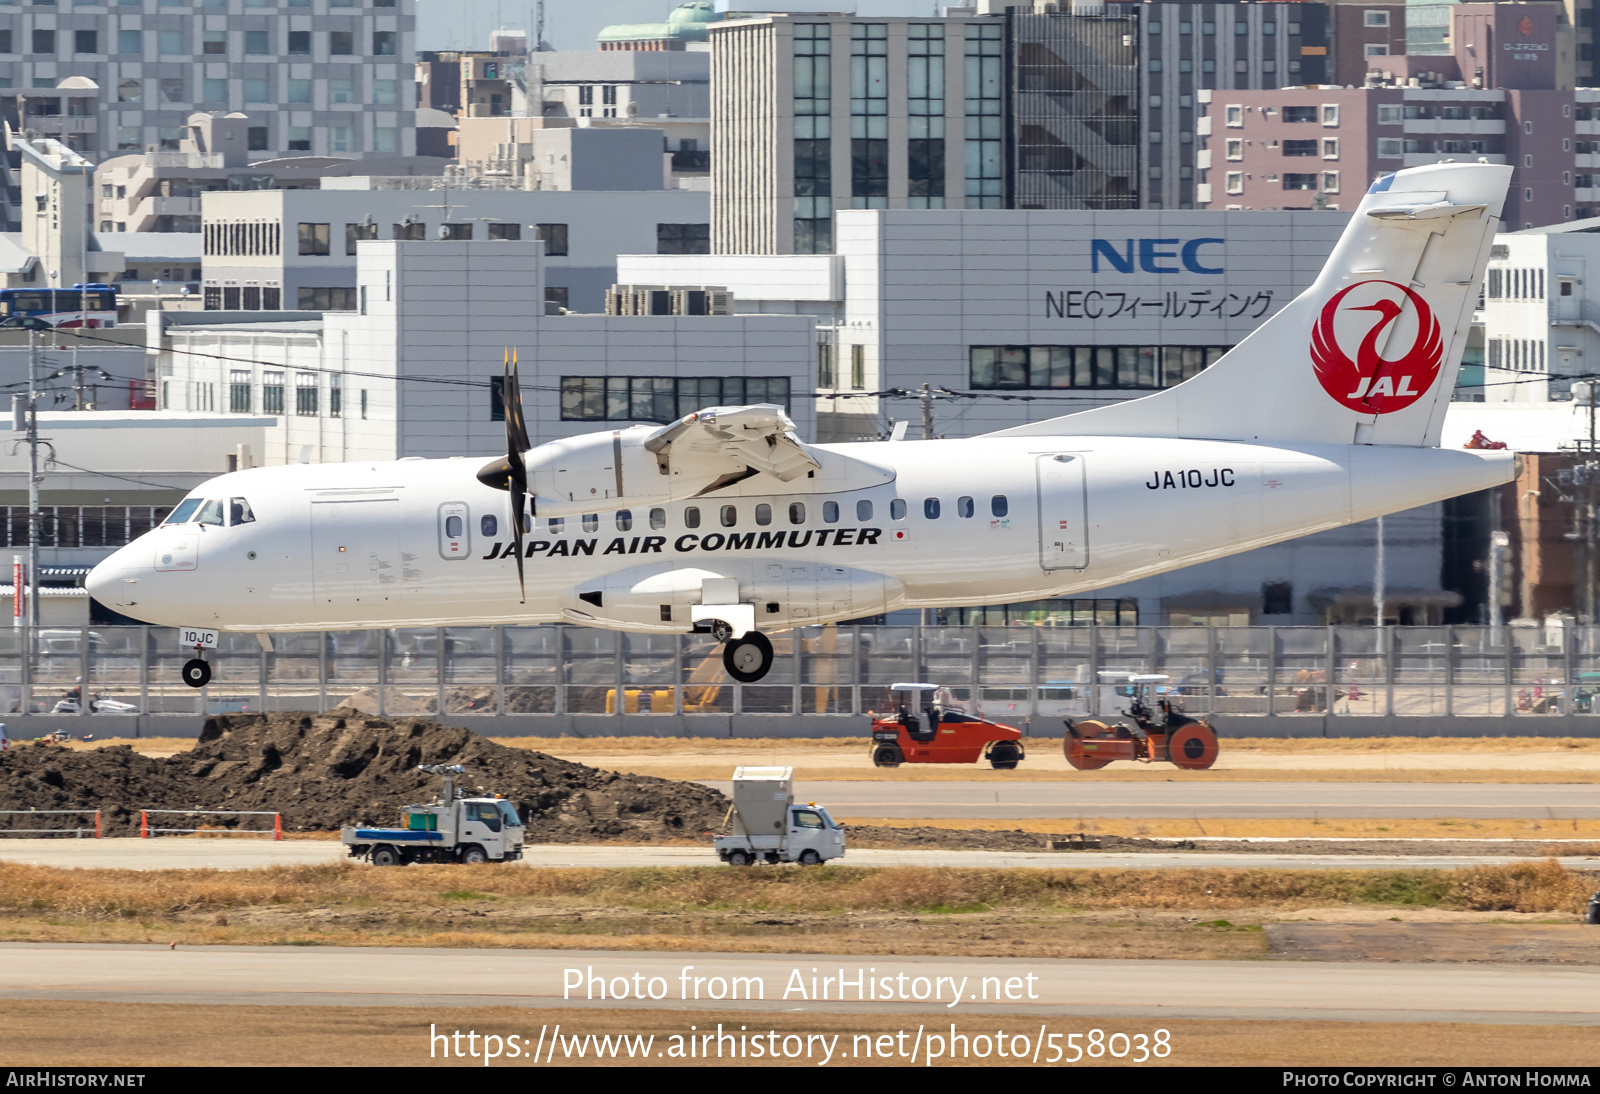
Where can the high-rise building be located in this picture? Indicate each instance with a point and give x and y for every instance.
(325, 77)
(812, 113)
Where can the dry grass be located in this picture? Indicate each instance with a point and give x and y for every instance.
(1364, 828)
(1193, 914)
(48, 1033)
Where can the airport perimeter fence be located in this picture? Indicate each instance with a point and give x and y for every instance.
(1014, 673)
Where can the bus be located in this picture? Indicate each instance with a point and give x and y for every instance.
(79, 306)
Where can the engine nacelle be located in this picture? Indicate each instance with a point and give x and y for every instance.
(596, 472)
(668, 598)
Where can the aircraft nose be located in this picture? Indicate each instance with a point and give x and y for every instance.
(114, 581)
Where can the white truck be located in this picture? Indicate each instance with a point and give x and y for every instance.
(455, 828)
(767, 824)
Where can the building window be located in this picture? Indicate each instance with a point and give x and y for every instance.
(1390, 148)
(239, 391)
(300, 42)
(383, 43)
(1389, 114)
(663, 398)
(256, 139)
(335, 397)
(354, 233)
(858, 367)
(985, 91)
(683, 239)
(305, 394)
(299, 138)
(505, 231)
(556, 299)
(925, 124)
(1234, 183)
(272, 392)
(825, 364)
(554, 236)
(1330, 182)
(1375, 49)
(1330, 114)
(457, 232)
(256, 44)
(1300, 148)
(1078, 367)
(329, 299)
(1294, 180)
(813, 147)
(1372, 18)
(1234, 115)
(869, 121)
(313, 238)
(341, 43)
(1234, 148)
(1330, 148)
(85, 41)
(44, 41)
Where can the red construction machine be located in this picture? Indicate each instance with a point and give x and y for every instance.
(1160, 731)
(929, 725)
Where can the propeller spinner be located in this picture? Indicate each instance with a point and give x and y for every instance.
(511, 473)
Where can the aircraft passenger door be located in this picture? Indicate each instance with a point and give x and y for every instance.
(355, 551)
(1063, 513)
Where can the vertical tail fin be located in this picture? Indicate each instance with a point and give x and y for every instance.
(1368, 354)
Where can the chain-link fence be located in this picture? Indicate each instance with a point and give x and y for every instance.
(1013, 672)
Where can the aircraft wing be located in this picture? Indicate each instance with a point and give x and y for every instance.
(725, 444)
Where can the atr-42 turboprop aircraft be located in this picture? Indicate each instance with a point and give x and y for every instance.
(725, 521)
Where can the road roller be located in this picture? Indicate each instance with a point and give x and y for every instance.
(1159, 731)
(929, 725)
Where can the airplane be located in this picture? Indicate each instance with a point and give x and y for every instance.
(726, 522)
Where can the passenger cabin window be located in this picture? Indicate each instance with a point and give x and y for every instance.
(691, 517)
(830, 512)
(489, 525)
(211, 512)
(624, 520)
(763, 514)
(184, 512)
(897, 509)
(658, 518)
(863, 510)
(930, 508)
(730, 516)
(964, 507)
(998, 506)
(591, 522)
(557, 525)
(797, 512)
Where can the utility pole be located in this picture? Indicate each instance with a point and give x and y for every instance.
(927, 413)
(1379, 580)
(33, 476)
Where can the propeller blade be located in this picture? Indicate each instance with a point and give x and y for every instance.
(517, 470)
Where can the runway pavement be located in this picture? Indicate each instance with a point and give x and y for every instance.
(1150, 990)
(1070, 800)
(193, 853)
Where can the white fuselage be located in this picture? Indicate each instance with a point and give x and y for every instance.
(361, 545)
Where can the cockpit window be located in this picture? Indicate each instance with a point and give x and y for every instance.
(210, 512)
(239, 512)
(184, 512)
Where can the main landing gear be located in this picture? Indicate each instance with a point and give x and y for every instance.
(747, 659)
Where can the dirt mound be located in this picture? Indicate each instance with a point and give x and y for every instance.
(328, 770)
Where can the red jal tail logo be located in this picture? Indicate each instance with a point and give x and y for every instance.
(1371, 383)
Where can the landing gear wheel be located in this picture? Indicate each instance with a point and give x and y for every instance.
(1087, 729)
(748, 659)
(808, 857)
(386, 856)
(738, 858)
(1193, 747)
(1003, 756)
(473, 856)
(196, 673)
(888, 756)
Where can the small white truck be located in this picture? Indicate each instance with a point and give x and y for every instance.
(455, 828)
(767, 824)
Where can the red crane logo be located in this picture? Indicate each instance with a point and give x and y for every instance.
(1371, 383)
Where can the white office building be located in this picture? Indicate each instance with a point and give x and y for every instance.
(272, 249)
(1541, 313)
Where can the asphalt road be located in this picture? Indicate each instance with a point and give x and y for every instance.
(1148, 990)
(1070, 800)
(174, 853)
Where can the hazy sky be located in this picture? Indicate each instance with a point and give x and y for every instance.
(573, 24)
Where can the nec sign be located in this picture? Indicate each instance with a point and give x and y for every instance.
(1154, 256)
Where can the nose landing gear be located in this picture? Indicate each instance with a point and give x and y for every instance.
(196, 672)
